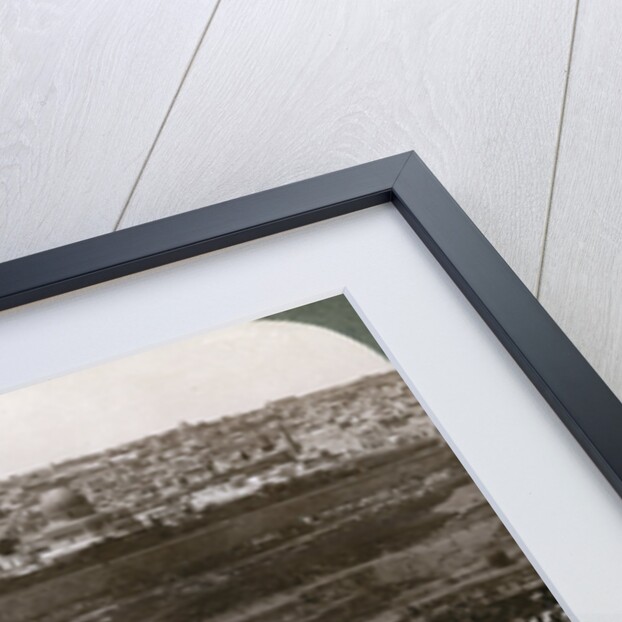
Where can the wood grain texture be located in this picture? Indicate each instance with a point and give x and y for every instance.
(582, 271)
(282, 91)
(84, 87)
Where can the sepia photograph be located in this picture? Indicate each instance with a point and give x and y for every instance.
(279, 470)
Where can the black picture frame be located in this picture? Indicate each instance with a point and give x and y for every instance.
(572, 388)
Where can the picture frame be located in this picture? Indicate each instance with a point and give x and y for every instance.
(572, 388)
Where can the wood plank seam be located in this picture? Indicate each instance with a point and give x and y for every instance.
(547, 217)
(166, 115)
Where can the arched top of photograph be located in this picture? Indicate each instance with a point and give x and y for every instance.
(203, 378)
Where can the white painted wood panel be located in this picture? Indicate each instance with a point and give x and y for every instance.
(582, 275)
(282, 91)
(84, 87)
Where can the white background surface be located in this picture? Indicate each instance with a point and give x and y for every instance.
(115, 113)
(546, 490)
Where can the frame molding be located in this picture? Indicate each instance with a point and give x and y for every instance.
(572, 388)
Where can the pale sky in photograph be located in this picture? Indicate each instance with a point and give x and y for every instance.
(200, 379)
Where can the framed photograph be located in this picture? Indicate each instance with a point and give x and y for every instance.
(328, 401)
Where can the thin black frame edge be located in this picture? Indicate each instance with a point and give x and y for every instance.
(127, 251)
(562, 375)
(576, 393)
